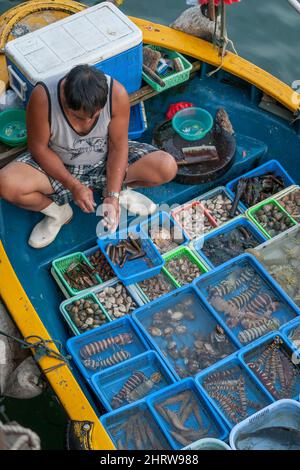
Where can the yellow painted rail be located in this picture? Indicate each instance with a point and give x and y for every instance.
(61, 379)
(164, 36)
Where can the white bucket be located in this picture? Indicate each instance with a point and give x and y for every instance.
(285, 413)
(208, 444)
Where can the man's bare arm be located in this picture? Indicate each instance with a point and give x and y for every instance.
(38, 130)
(118, 138)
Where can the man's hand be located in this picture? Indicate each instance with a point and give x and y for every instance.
(83, 197)
(111, 213)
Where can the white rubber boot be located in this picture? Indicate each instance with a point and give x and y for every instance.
(136, 203)
(46, 231)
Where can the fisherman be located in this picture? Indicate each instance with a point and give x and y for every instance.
(78, 142)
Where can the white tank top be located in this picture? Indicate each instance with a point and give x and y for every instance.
(73, 148)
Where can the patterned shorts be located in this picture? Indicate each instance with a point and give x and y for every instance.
(93, 176)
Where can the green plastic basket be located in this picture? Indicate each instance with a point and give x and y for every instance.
(251, 214)
(13, 130)
(179, 252)
(171, 79)
(64, 310)
(60, 265)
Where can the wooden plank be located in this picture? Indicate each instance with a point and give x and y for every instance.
(7, 154)
(147, 92)
(164, 36)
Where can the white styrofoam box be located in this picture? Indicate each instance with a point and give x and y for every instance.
(90, 36)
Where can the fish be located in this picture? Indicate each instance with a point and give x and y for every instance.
(270, 438)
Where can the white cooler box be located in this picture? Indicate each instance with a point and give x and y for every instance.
(101, 36)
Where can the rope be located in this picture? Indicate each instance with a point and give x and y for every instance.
(26, 436)
(223, 42)
(295, 4)
(41, 348)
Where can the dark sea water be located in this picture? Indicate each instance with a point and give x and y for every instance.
(266, 33)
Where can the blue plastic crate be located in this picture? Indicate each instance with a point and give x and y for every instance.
(137, 122)
(130, 427)
(136, 346)
(272, 165)
(214, 193)
(253, 283)
(202, 419)
(173, 323)
(257, 358)
(220, 386)
(136, 270)
(163, 219)
(90, 252)
(220, 232)
(292, 333)
(108, 384)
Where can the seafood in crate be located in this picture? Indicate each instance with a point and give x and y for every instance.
(98, 261)
(134, 428)
(291, 203)
(164, 232)
(281, 258)
(229, 242)
(271, 218)
(219, 206)
(184, 332)
(272, 362)
(183, 266)
(194, 219)
(157, 286)
(85, 313)
(75, 272)
(184, 415)
(106, 346)
(133, 381)
(233, 391)
(116, 300)
(256, 189)
(244, 296)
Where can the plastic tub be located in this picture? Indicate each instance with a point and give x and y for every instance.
(280, 257)
(270, 166)
(202, 419)
(201, 228)
(13, 131)
(180, 253)
(165, 220)
(109, 275)
(283, 413)
(171, 78)
(136, 270)
(251, 278)
(257, 358)
(68, 316)
(126, 428)
(208, 444)
(137, 122)
(135, 345)
(61, 265)
(220, 385)
(192, 123)
(251, 215)
(292, 334)
(147, 371)
(214, 193)
(174, 322)
(162, 277)
(211, 261)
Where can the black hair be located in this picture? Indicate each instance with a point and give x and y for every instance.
(86, 88)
